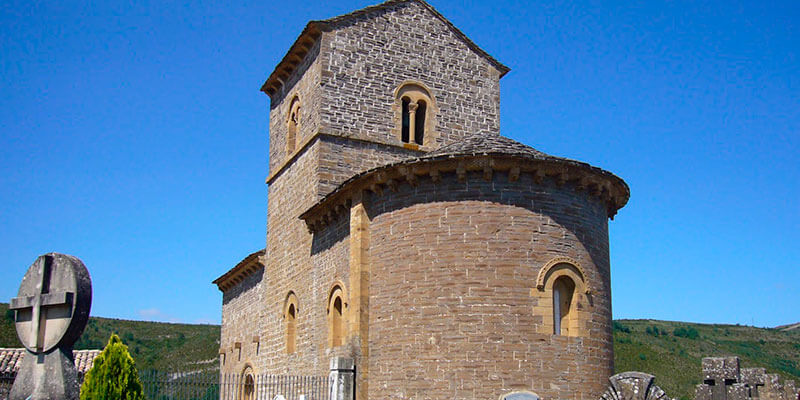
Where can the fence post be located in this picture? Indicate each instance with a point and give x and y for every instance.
(342, 379)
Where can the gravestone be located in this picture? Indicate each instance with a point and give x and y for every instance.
(720, 373)
(633, 386)
(754, 378)
(52, 308)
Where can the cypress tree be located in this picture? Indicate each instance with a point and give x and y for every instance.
(113, 375)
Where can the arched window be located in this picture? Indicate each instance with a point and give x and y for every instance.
(406, 129)
(414, 114)
(293, 125)
(419, 122)
(290, 321)
(336, 320)
(248, 384)
(563, 291)
(564, 298)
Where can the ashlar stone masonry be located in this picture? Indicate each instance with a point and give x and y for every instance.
(405, 233)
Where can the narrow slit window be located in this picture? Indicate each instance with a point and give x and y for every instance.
(291, 329)
(419, 122)
(563, 291)
(406, 128)
(292, 125)
(337, 322)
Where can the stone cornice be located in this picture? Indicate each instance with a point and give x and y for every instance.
(598, 183)
(242, 270)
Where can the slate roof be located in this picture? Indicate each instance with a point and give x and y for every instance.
(313, 30)
(11, 360)
(482, 144)
(473, 145)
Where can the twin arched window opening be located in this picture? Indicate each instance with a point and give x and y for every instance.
(414, 113)
(336, 319)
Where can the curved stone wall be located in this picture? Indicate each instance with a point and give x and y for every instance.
(453, 289)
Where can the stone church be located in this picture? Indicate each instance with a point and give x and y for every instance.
(405, 232)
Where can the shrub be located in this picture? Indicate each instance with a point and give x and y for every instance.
(113, 375)
(686, 332)
(618, 326)
(654, 331)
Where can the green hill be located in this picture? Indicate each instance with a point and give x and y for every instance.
(154, 345)
(672, 351)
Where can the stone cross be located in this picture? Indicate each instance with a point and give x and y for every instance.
(720, 373)
(51, 310)
(754, 378)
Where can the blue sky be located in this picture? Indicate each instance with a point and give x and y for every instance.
(133, 135)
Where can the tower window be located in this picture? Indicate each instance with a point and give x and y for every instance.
(405, 135)
(419, 122)
(292, 125)
(414, 114)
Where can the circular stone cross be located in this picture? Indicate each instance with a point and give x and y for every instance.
(52, 306)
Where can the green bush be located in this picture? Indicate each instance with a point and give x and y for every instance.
(113, 375)
(688, 332)
(621, 328)
(654, 331)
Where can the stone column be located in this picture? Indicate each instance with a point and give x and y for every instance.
(342, 379)
(412, 122)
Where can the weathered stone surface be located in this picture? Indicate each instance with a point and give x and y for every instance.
(719, 369)
(437, 270)
(702, 392)
(52, 308)
(773, 388)
(738, 391)
(633, 386)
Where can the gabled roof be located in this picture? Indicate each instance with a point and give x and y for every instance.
(11, 360)
(311, 33)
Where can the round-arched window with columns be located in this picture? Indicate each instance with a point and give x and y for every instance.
(414, 114)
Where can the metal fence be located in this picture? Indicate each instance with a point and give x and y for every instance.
(210, 385)
(267, 387)
(160, 385)
(6, 381)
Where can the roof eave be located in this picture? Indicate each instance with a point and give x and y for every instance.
(242, 269)
(616, 193)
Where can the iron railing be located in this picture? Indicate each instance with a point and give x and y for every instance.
(208, 385)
